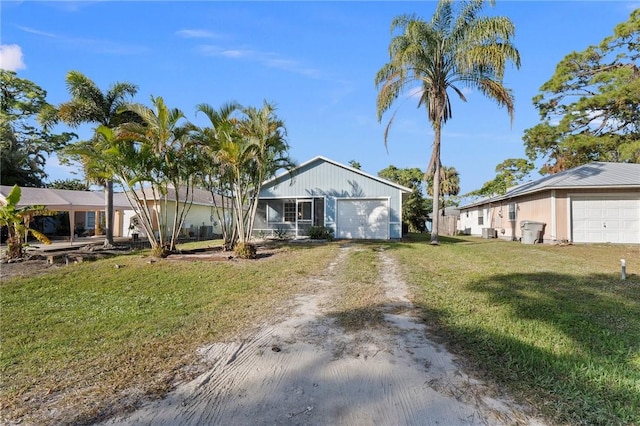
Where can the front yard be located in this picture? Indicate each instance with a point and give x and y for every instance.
(553, 324)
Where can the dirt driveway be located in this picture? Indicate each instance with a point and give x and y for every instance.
(306, 370)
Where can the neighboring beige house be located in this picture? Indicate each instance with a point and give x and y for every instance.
(85, 208)
(593, 203)
(202, 220)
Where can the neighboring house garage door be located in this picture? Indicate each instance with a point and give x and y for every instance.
(606, 219)
(362, 219)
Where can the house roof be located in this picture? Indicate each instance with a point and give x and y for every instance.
(320, 158)
(64, 199)
(200, 196)
(596, 175)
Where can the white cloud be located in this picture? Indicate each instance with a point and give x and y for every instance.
(192, 33)
(95, 45)
(267, 59)
(11, 57)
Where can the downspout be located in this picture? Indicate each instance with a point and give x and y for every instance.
(553, 215)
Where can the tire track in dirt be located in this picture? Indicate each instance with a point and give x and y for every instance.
(305, 370)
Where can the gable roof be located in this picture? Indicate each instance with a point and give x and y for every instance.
(596, 175)
(319, 159)
(63, 199)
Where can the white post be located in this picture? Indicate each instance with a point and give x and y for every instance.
(623, 264)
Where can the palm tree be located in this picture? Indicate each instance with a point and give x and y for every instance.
(266, 133)
(16, 220)
(441, 55)
(449, 182)
(165, 157)
(214, 174)
(89, 104)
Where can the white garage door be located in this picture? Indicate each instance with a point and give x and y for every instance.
(606, 219)
(362, 219)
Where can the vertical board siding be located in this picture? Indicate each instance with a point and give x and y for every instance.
(320, 178)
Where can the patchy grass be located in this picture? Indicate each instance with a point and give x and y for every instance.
(555, 324)
(90, 339)
(361, 296)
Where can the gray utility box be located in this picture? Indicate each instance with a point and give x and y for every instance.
(489, 233)
(532, 231)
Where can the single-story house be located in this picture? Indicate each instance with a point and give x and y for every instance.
(322, 192)
(85, 208)
(593, 203)
(201, 222)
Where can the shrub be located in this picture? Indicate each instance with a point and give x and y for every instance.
(321, 233)
(245, 251)
(280, 233)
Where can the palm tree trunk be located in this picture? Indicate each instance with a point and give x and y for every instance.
(436, 185)
(108, 214)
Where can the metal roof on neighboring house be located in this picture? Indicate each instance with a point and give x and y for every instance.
(596, 175)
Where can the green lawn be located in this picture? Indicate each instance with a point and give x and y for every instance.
(84, 335)
(555, 324)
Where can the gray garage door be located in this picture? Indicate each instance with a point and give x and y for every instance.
(362, 219)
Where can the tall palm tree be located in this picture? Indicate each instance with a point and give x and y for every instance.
(89, 104)
(440, 56)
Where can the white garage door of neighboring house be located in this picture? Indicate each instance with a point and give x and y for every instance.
(606, 219)
(362, 219)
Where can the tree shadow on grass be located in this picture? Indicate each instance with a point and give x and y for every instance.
(570, 343)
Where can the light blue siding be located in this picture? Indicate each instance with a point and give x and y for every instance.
(323, 178)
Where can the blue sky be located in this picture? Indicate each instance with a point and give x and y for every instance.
(315, 60)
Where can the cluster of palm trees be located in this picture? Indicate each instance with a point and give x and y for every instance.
(155, 153)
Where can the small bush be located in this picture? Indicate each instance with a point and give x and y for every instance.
(245, 251)
(321, 233)
(280, 233)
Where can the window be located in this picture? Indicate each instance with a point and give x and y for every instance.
(90, 220)
(480, 217)
(304, 210)
(512, 211)
(290, 211)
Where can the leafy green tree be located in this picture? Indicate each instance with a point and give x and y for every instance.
(510, 172)
(26, 138)
(355, 164)
(590, 108)
(449, 182)
(456, 48)
(89, 104)
(17, 219)
(72, 184)
(415, 208)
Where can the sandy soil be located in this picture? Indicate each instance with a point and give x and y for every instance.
(306, 370)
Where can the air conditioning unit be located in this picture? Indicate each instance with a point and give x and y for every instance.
(489, 233)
